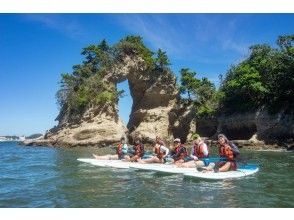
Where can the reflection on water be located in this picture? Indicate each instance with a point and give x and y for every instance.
(52, 177)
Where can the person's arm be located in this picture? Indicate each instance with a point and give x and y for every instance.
(165, 149)
(172, 153)
(192, 154)
(205, 149)
(229, 152)
(181, 151)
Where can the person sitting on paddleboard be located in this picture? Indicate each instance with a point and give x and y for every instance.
(225, 151)
(199, 152)
(179, 152)
(159, 141)
(160, 153)
(121, 152)
(137, 151)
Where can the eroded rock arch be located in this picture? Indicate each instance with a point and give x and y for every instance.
(156, 110)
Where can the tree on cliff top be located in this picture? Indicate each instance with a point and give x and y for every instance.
(201, 93)
(85, 87)
(161, 59)
(133, 45)
(265, 78)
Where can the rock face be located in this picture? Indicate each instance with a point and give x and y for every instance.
(258, 127)
(155, 95)
(157, 110)
(183, 121)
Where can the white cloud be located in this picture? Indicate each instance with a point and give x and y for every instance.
(155, 30)
(69, 27)
(190, 36)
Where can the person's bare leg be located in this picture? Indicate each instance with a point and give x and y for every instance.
(199, 163)
(149, 160)
(113, 157)
(135, 158)
(226, 167)
(178, 162)
(209, 167)
(104, 157)
(189, 164)
(127, 158)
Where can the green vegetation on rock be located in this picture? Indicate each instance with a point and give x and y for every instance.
(265, 78)
(201, 92)
(86, 87)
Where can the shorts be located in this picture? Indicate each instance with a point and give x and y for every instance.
(167, 160)
(205, 161)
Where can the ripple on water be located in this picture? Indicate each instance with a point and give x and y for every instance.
(51, 177)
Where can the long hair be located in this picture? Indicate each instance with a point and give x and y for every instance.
(224, 137)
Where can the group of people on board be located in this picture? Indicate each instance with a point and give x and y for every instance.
(178, 155)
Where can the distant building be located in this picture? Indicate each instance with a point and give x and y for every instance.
(12, 138)
(21, 138)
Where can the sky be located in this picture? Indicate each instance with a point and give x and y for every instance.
(36, 48)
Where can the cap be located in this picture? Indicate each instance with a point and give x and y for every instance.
(177, 140)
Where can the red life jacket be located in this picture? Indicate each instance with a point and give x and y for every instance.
(226, 151)
(119, 149)
(139, 150)
(183, 154)
(159, 153)
(198, 151)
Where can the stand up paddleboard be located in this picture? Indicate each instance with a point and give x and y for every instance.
(242, 171)
(163, 168)
(106, 163)
(246, 170)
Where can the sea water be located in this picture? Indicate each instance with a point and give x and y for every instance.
(52, 177)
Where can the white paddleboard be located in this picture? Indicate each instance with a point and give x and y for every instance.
(148, 167)
(106, 163)
(223, 175)
(100, 163)
(163, 168)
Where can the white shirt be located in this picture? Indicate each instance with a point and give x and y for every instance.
(163, 148)
(204, 149)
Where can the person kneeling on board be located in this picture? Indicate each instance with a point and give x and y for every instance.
(160, 153)
(121, 152)
(137, 152)
(179, 152)
(228, 151)
(199, 153)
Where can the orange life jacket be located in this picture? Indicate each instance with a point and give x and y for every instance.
(183, 154)
(159, 153)
(139, 150)
(119, 149)
(226, 151)
(198, 151)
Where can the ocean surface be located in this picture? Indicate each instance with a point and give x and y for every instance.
(52, 177)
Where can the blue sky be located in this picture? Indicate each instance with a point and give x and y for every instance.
(37, 48)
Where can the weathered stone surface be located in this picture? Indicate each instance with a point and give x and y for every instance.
(154, 95)
(157, 110)
(259, 128)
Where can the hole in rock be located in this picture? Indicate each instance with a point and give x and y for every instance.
(125, 102)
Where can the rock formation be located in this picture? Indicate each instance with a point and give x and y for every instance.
(157, 107)
(155, 111)
(255, 128)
